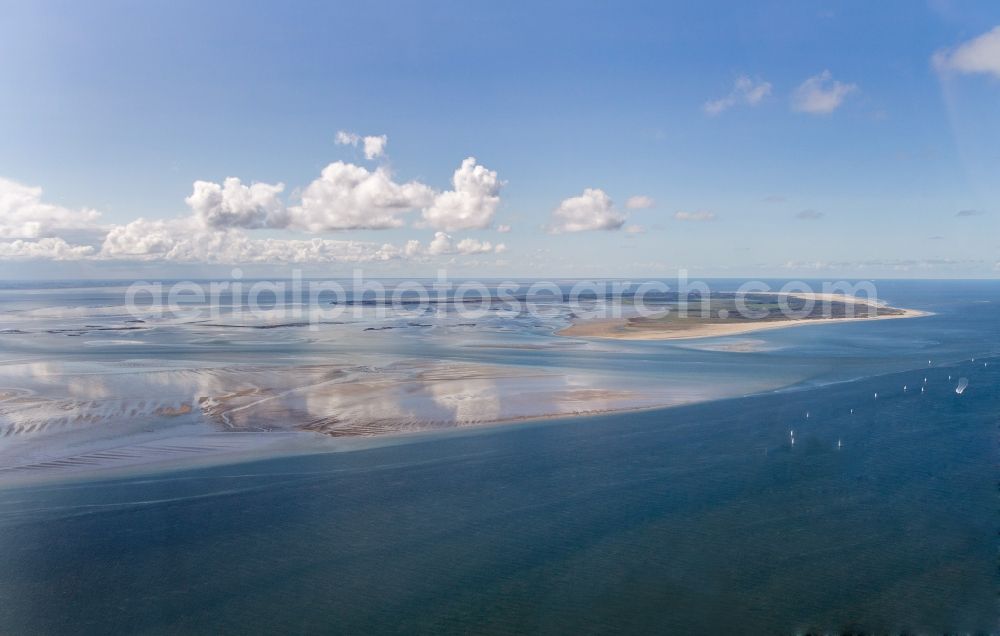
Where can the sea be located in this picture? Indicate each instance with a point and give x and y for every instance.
(804, 490)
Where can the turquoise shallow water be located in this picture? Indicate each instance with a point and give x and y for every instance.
(697, 519)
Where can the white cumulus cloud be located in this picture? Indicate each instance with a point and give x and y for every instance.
(475, 246)
(821, 94)
(224, 215)
(345, 138)
(978, 55)
(24, 215)
(471, 205)
(349, 197)
(745, 91)
(372, 145)
(592, 210)
(233, 204)
(146, 239)
(184, 240)
(443, 243)
(49, 248)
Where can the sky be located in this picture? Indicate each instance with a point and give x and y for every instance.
(571, 139)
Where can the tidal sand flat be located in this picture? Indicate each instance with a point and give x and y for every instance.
(80, 417)
(171, 392)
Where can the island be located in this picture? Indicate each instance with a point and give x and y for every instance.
(733, 313)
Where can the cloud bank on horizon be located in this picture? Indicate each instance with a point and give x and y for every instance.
(344, 197)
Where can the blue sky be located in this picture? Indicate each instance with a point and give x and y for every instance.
(890, 167)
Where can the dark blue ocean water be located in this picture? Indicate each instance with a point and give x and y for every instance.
(697, 519)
